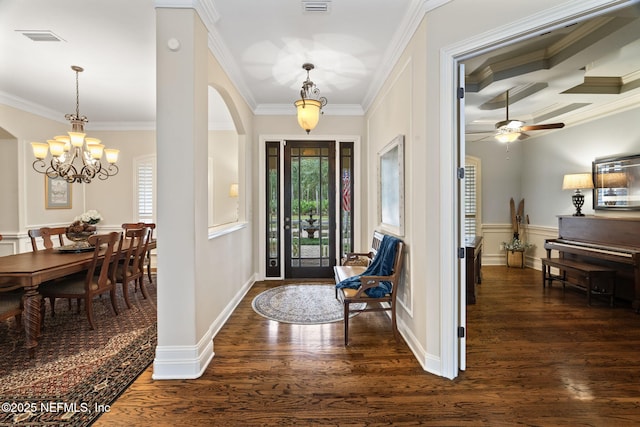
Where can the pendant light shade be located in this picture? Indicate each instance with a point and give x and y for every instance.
(309, 106)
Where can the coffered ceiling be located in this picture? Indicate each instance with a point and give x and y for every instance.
(568, 75)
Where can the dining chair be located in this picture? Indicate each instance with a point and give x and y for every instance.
(46, 233)
(152, 227)
(11, 301)
(97, 280)
(129, 266)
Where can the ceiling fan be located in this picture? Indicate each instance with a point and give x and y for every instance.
(510, 130)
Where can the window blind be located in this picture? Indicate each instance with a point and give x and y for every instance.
(145, 189)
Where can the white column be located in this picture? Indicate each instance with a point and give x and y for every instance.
(181, 58)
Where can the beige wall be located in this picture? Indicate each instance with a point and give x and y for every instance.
(28, 212)
(8, 184)
(115, 197)
(223, 155)
(399, 110)
(23, 190)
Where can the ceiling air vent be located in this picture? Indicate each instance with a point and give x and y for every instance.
(316, 6)
(41, 35)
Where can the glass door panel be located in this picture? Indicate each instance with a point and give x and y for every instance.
(309, 215)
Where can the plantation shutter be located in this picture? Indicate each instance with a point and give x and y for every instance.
(471, 204)
(145, 189)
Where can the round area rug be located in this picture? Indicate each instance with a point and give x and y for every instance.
(301, 304)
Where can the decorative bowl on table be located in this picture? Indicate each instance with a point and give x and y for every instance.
(79, 233)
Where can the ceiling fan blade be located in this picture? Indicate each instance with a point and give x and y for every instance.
(486, 132)
(542, 127)
(477, 137)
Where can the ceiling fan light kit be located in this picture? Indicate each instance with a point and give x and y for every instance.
(511, 130)
(506, 135)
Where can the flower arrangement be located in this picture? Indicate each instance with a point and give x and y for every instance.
(516, 245)
(91, 217)
(517, 218)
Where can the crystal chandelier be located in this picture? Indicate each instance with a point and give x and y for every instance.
(65, 150)
(310, 105)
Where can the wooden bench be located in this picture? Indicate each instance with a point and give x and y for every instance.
(353, 296)
(585, 273)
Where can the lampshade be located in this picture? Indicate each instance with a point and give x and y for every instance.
(40, 150)
(309, 106)
(233, 190)
(577, 181)
(308, 113)
(111, 155)
(56, 147)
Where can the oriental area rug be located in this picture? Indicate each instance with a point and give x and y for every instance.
(76, 373)
(301, 304)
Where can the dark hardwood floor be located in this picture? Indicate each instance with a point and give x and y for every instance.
(535, 356)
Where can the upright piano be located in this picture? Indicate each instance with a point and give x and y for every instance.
(605, 241)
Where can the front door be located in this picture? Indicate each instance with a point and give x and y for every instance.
(309, 209)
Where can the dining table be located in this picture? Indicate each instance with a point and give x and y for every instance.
(30, 269)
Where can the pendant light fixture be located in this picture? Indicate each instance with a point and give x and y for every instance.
(309, 107)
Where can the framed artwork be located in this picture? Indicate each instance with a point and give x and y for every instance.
(616, 183)
(57, 193)
(391, 186)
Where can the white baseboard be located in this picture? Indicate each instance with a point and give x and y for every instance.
(183, 362)
(429, 362)
(189, 362)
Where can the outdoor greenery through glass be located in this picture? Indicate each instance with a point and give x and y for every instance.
(309, 206)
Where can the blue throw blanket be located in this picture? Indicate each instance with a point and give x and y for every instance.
(382, 265)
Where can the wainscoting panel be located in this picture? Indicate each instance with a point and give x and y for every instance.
(495, 234)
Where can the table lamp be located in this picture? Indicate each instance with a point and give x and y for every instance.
(577, 182)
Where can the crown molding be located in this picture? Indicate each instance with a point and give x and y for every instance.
(410, 24)
(587, 114)
(290, 110)
(209, 15)
(30, 107)
(123, 126)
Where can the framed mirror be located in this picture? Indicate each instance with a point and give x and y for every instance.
(391, 186)
(616, 182)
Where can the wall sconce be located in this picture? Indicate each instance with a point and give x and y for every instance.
(233, 190)
(233, 193)
(577, 182)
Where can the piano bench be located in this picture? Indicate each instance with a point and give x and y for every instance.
(588, 272)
